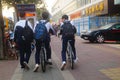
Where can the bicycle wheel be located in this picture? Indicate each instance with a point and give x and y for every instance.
(71, 57)
(68, 54)
(43, 61)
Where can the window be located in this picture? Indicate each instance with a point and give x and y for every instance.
(87, 1)
(93, 0)
(82, 3)
(66, 2)
(117, 26)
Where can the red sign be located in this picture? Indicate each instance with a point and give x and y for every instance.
(75, 15)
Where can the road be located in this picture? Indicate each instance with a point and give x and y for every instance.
(95, 62)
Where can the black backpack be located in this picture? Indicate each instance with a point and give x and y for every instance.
(68, 30)
(23, 34)
(27, 33)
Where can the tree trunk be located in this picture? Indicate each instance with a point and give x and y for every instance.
(1, 33)
(16, 11)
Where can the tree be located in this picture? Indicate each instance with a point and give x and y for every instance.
(39, 12)
(37, 2)
(11, 3)
(1, 32)
(14, 2)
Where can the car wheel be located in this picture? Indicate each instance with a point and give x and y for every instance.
(100, 38)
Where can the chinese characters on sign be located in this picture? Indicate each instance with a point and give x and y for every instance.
(95, 9)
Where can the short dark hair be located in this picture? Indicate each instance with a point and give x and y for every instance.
(65, 17)
(45, 15)
(22, 14)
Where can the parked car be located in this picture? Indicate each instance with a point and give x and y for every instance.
(109, 32)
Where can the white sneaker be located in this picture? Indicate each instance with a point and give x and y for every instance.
(49, 62)
(63, 65)
(36, 68)
(26, 66)
(75, 61)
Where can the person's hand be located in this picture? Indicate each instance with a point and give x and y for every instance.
(58, 35)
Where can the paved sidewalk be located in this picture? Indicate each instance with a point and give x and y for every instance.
(52, 72)
(10, 70)
(7, 68)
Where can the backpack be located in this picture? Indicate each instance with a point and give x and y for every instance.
(40, 31)
(27, 33)
(23, 34)
(68, 30)
(18, 34)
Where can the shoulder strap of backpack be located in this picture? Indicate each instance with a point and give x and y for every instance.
(43, 22)
(26, 23)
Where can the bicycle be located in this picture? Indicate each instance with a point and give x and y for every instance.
(12, 52)
(70, 55)
(43, 57)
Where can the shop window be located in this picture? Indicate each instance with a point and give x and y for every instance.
(87, 1)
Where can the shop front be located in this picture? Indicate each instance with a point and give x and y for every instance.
(75, 17)
(96, 15)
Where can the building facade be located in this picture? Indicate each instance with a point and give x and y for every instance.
(61, 7)
(88, 14)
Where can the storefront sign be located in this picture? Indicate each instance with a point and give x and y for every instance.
(26, 7)
(30, 14)
(75, 15)
(95, 9)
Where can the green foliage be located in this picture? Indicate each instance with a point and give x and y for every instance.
(12, 2)
(39, 12)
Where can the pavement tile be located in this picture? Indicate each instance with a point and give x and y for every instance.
(7, 68)
(112, 73)
(91, 66)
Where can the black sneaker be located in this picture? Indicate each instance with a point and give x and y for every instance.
(22, 67)
(47, 62)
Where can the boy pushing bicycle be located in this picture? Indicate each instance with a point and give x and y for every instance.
(68, 31)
